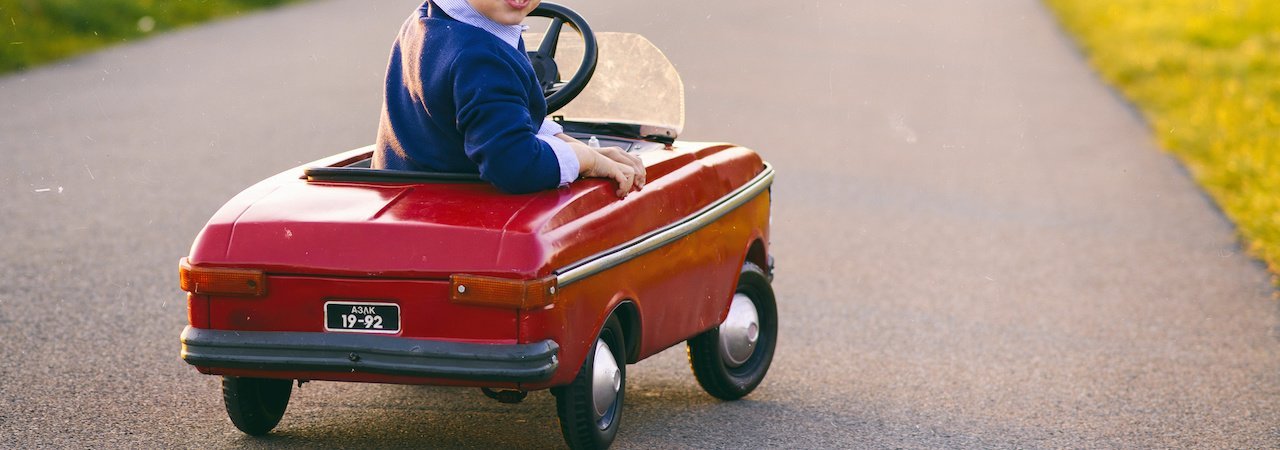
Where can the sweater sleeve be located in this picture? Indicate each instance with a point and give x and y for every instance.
(569, 164)
(498, 132)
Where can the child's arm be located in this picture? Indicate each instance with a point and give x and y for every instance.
(551, 130)
(616, 155)
(600, 162)
(493, 118)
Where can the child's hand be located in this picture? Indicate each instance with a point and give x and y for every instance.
(619, 155)
(601, 163)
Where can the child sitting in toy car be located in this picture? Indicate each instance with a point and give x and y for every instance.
(461, 96)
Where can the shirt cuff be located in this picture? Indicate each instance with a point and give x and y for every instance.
(568, 160)
(550, 127)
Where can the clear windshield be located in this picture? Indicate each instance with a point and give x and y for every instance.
(634, 82)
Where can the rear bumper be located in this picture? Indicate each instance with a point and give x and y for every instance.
(388, 355)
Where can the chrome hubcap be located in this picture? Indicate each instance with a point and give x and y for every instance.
(740, 331)
(606, 379)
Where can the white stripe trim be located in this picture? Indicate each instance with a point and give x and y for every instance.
(644, 244)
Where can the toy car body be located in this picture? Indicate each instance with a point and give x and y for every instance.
(333, 271)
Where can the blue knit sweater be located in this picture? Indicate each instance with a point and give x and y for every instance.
(458, 99)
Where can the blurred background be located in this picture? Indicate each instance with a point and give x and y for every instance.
(1201, 71)
(998, 223)
(40, 31)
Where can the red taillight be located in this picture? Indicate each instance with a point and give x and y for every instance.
(221, 281)
(502, 292)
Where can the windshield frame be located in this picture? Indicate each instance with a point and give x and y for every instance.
(635, 92)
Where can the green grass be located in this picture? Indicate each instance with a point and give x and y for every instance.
(1206, 74)
(34, 32)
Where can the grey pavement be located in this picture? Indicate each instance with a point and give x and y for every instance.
(978, 244)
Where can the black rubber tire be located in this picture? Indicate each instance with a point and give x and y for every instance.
(255, 405)
(717, 378)
(573, 402)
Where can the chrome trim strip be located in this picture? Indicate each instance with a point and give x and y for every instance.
(652, 241)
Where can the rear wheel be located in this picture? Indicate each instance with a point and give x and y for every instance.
(590, 408)
(255, 405)
(729, 361)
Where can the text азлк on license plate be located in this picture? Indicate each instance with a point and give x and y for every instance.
(362, 317)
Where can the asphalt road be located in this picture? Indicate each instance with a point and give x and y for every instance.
(978, 244)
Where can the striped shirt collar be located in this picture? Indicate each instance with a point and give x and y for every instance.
(462, 11)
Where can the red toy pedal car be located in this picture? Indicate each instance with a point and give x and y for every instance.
(335, 271)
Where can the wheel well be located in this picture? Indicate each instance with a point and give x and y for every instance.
(756, 255)
(629, 316)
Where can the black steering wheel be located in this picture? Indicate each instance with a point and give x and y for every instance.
(558, 92)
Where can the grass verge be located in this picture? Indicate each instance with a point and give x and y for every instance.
(1206, 74)
(33, 32)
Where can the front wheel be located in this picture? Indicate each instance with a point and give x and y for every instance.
(590, 408)
(255, 405)
(729, 361)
